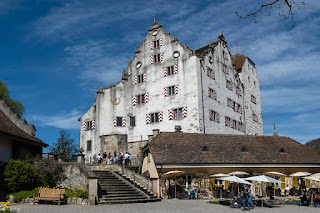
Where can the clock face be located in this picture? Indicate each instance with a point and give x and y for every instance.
(155, 33)
(176, 54)
(138, 65)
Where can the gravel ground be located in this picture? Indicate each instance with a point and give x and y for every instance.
(167, 206)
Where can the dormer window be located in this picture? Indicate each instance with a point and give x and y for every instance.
(204, 149)
(282, 150)
(243, 149)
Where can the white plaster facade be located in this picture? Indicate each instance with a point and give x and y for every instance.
(191, 83)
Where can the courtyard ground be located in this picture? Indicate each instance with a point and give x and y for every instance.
(166, 206)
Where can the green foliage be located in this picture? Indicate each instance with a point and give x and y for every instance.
(22, 195)
(50, 172)
(70, 193)
(15, 105)
(65, 146)
(3, 185)
(19, 175)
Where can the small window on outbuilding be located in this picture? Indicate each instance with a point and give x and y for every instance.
(243, 149)
(204, 149)
(282, 150)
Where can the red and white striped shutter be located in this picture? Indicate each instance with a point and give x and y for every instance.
(207, 71)
(210, 115)
(228, 102)
(225, 121)
(217, 118)
(238, 125)
(176, 89)
(84, 126)
(170, 114)
(213, 76)
(240, 109)
(123, 121)
(135, 79)
(160, 116)
(146, 97)
(175, 69)
(231, 125)
(214, 95)
(148, 119)
(93, 124)
(165, 71)
(222, 67)
(134, 100)
(161, 42)
(144, 77)
(185, 112)
(236, 107)
(209, 92)
(114, 121)
(165, 91)
(151, 59)
(161, 57)
(151, 45)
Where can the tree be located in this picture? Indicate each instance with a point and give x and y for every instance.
(65, 146)
(15, 105)
(285, 8)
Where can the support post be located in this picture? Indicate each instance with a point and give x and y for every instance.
(93, 190)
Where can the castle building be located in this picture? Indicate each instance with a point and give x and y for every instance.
(166, 84)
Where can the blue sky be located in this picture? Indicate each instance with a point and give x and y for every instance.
(54, 54)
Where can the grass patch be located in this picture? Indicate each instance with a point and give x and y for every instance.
(22, 195)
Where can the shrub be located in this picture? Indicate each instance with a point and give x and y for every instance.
(22, 195)
(3, 185)
(19, 175)
(70, 193)
(50, 172)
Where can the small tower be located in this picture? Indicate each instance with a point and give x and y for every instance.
(274, 130)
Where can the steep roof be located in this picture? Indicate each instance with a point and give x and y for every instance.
(314, 145)
(238, 60)
(186, 148)
(7, 127)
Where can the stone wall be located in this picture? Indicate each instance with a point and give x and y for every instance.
(76, 176)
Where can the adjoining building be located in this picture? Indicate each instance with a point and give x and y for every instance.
(17, 137)
(195, 153)
(206, 91)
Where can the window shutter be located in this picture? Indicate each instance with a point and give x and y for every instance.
(151, 59)
(210, 115)
(228, 102)
(227, 70)
(236, 107)
(161, 42)
(217, 118)
(134, 100)
(146, 97)
(93, 124)
(225, 56)
(208, 73)
(225, 121)
(123, 121)
(176, 89)
(170, 114)
(165, 90)
(185, 112)
(209, 92)
(213, 76)
(84, 126)
(214, 95)
(175, 69)
(165, 71)
(160, 116)
(148, 120)
(114, 121)
(240, 109)
(161, 57)
(144, 77)
(222, 67)
(151, 45)
(135, 79)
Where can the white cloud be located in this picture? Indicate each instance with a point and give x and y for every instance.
(67, 120)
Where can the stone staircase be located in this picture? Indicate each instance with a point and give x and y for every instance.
(115, 189)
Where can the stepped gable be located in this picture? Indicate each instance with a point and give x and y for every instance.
(7, 127)
(186, 148)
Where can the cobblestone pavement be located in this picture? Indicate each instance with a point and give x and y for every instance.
(167, 206)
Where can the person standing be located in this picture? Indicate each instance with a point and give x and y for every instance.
(99, 158)
(245, 195)
(104, 157)
(250, 197)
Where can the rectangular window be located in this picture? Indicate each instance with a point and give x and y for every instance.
(171, 90)
(154, 117)
(210, 73)
(254, 117)
(119, 121)
(156, 58)
(140, 99)
(177, 113)
(140, 79)
(214, 116)
(253, 99)
(212, 94)
(170, 70)
(229, 84)
(132, 121)
(156, 44)
(88, 145)
(234, 124)
(89, 125)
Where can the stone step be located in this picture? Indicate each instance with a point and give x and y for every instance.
(122, 195)
(120, 192)
(123, 198)
(143, 200)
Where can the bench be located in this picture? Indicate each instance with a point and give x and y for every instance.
(50, 194)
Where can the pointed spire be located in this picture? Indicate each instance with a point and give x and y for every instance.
(222, 32)
(274, 129)
(154, 20)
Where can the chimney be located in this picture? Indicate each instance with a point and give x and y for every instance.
(177, 128)
(155, 132)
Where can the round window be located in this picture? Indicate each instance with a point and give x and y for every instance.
(176, 54)
(154, 33)
(138, 65)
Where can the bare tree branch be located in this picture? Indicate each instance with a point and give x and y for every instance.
(285, 9)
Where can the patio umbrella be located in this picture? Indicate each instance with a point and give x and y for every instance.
(312, 178)
(300, 174)
(276, 173)
(234, 179)
(263, 178)
(219, 175)
(173, 174)
(238, 173)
